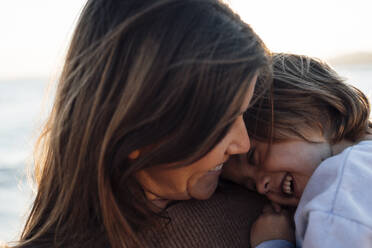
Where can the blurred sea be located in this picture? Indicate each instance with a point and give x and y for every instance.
(22, 105)
(21, 108)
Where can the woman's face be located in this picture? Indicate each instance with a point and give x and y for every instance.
(199, 179)
(281, 172)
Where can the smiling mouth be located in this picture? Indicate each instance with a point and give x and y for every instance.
(288, 185)
(217, 168)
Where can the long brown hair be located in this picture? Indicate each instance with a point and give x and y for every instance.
(138, 73)
(307, 95)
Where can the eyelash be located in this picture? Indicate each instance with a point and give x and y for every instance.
(250, 156)
(251, 185)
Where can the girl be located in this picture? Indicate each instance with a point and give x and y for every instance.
(148, 109)
(311, 148)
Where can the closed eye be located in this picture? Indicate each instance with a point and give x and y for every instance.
(250, 156)
(250, 184)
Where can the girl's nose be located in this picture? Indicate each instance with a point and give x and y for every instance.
(263, 185)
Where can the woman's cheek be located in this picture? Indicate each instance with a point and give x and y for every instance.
(231, 172)
(236, 172)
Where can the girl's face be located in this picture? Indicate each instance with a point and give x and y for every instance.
(280, 171)
(199, 179)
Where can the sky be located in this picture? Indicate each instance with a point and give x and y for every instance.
(35, 34)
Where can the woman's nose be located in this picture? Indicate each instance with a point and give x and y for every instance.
(240, 143)
(263, 185)
(243, 144)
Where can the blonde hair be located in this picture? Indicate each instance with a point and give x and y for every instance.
(308, 96)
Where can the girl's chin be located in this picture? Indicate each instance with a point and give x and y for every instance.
(284, 200)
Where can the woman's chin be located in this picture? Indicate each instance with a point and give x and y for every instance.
(203, 186)
(203, 190)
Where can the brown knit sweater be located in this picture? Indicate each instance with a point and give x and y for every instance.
(224, 220)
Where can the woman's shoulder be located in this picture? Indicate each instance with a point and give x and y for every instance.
(224, 220)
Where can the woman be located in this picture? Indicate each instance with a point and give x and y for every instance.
(311, 149)
(148, 109)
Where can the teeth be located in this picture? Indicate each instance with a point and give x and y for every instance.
(287, 185)
(217, 168)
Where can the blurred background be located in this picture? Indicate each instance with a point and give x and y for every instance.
(35, 36)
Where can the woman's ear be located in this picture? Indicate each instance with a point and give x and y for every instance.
(134, 155)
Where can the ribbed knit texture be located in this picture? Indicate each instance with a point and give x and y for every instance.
(224, 220)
